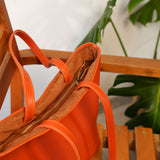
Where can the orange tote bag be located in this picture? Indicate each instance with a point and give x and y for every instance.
(61, 124)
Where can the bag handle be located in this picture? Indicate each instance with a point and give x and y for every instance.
(36, 50)
(108, 114)
(63, 131)
(29, 97)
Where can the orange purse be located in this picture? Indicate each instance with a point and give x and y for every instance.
(61, 124)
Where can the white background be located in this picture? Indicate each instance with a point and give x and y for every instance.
(62, 24)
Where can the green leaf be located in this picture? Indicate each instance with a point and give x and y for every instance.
(148, 91)
(95, 34)
(132, 4)
(145, 13)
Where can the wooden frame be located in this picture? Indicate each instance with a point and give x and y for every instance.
(142, 140)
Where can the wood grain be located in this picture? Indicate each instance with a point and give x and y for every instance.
(122, 142)
(28, 56)
(145, 149)
(131, 140)
(3, 43)
(7, 69)
(157, 145)
(5, 30)
(7, 66)
(117, 64)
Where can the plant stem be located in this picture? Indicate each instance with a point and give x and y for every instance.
(156, 47)
(119, 38)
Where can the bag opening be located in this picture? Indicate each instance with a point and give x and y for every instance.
(82, 65)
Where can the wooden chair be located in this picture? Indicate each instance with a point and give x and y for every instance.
(145, 144)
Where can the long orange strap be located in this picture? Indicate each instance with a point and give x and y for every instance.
(108, 114)
(63, 131)
(29, 97)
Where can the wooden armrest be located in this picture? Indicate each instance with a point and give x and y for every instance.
(117, 64)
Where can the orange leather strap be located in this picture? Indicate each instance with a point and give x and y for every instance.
(108, 114)
(29, 97)
(63, 131)
(27, 87)
(43, 59)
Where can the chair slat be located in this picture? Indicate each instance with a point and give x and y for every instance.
(98, 154)
(122, 142)
(145, 149)
(5, 30)
(3, 43)
(131, 140)
(157, 145)
(7, 69)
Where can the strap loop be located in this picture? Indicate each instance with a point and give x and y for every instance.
(108, 114)
(63, 131)
(29, 97)
(43, 59)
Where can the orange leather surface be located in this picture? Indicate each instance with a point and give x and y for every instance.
(79, 122)
(66, 134)
(29, 97)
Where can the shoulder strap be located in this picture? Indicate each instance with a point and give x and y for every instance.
(108, 114)
(29, 97)
(63, 131)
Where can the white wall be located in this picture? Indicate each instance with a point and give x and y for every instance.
(62, 24)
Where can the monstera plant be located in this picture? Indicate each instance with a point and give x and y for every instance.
(147, 89)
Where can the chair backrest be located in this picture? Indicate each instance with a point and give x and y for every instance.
(7, 66)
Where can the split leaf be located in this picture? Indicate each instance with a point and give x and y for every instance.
(148, 91)
(147, 13)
